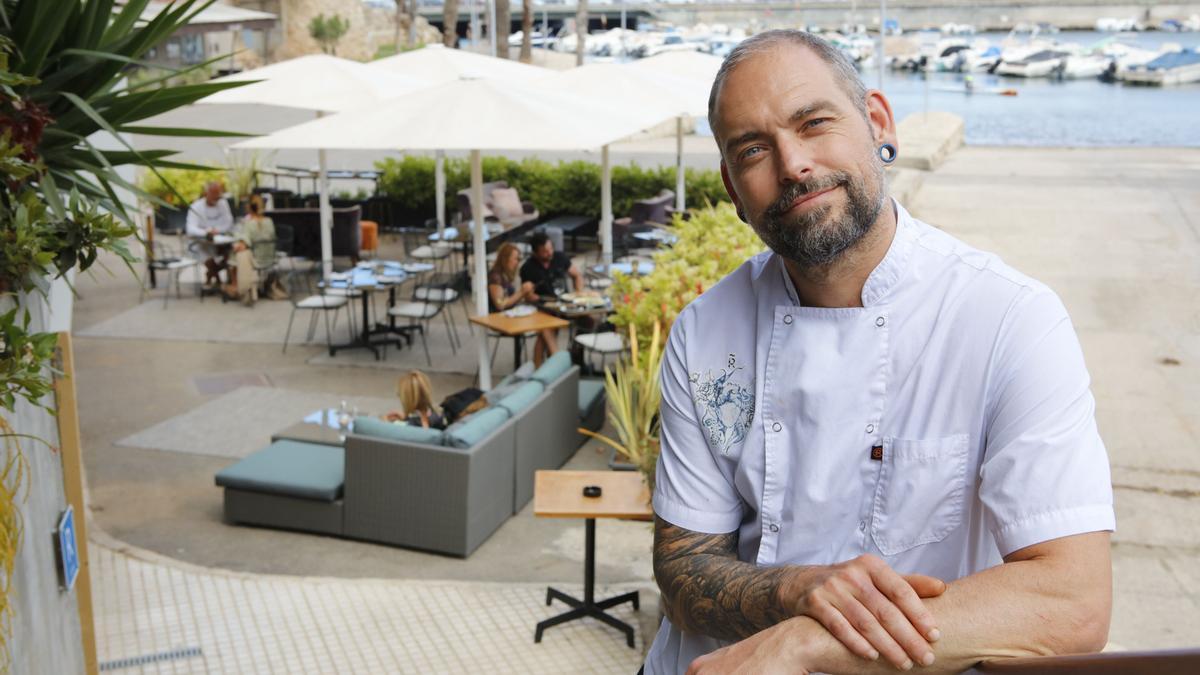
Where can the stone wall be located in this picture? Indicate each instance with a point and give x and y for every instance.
(370, 28)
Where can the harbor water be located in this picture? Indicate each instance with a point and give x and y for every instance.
(1053, 113)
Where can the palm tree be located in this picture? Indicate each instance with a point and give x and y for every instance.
(450, 24)
(503, 24)
(581, 30)
(527, 30)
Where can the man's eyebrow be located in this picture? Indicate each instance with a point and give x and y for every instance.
(812, 109)
(809, 110)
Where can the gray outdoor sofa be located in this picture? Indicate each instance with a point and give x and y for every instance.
(420, 488)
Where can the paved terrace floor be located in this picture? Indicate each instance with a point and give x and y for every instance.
(1115, 232)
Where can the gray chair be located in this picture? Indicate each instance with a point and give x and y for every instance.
(171, 262)
(303, 300)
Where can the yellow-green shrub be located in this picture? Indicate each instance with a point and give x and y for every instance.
(187, 183)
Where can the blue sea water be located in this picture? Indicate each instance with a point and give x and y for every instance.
(1071, 113)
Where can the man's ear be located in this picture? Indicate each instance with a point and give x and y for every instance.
(881, 119)
(737, 203)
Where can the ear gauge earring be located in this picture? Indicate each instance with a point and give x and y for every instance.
(887, 152)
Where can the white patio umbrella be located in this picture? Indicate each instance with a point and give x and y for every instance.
(439, 64)
(322, 84)
(477, 116)
(629, 86)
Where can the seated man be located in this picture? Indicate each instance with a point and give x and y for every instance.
(548, 270)
(879, 448)
(206, 217)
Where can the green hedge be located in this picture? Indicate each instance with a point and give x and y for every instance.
(565, 188)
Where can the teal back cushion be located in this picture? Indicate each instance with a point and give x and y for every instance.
(475, 428)
(409, 433)
(590, 390)
(521, 397)
(553, 368)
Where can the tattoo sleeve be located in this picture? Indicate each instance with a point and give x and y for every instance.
(708, 591)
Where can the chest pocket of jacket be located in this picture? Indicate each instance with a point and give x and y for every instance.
(920, 492)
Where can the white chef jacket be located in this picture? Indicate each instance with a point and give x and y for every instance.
(942, 425)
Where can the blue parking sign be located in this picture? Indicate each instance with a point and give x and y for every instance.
(68, 552)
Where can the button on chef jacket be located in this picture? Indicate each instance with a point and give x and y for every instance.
(942, 425)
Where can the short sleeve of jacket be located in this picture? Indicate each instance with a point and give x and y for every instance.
(691, 490)
(1045, 471)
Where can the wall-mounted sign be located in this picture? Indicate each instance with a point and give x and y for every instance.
(68, 552)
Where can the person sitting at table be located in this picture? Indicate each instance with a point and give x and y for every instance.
(253, 249)
(416, 398)
(547, 270)
(503, 292)
(207, 217)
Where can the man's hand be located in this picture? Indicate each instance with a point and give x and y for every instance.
(776, 650)
(870, 608)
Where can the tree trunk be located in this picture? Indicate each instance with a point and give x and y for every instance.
(412, 24)
(450, 24)
(396, 35)
(581, 25)
(527, 29)
(503, 27)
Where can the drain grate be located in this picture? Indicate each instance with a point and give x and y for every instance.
(134, 661)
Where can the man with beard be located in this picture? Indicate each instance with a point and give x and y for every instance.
(886, 457)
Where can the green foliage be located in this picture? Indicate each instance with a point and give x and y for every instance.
(178, 187)
(22, 359)
(712, 243)
(328, 31)
(565, 188)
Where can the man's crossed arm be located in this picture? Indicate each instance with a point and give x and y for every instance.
(1050, 598)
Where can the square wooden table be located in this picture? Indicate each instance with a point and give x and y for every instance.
(559, 494)
(517, 327)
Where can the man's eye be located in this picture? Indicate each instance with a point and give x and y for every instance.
(815, 123)
(749, 152)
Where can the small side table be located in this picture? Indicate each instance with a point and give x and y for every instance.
(559, 494)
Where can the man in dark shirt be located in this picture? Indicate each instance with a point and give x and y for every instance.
(548, 269)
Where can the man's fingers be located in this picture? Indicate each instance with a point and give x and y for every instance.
(840, 628)
(897, 625)
(869, 627)
(903, 596)
(925, 587)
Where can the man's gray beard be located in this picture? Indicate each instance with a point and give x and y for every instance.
(816, 238)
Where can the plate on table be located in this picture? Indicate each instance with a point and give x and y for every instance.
(591, 301)
(520, 311)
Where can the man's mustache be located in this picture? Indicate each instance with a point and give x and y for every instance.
(795, 191)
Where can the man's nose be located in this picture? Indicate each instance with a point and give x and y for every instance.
(795, 161)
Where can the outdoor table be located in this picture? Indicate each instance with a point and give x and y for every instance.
(517, 327)
(588, 315)
(365, 280)
(644, 268)
(309, 432)
(559, 494)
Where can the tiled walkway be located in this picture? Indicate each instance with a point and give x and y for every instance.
(155, 615)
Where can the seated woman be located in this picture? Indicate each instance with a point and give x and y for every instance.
(253, 248)
(416, 397)
(503, 294)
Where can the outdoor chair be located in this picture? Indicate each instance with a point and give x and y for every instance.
(513, 211)
(171, 263)
(643, 216)
(418, 248)
(604, 343)
(429, 300)
(304, 301)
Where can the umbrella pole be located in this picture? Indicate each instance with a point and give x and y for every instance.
(479, 280)
(326, 218)
(679, 194)
(439, 182)
(606, 215)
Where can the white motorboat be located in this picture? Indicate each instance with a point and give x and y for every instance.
(1038, 64)
(1082, 66)
(974, 61)
(1110, 24)
(1172, 68)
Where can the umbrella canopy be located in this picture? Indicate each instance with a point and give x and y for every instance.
(316, 82)
(485, 115)
(478, 115)
(694, 65)
(437, 63)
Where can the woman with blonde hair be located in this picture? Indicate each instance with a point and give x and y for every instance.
(416, 398)
(503, 293)
(254, 249)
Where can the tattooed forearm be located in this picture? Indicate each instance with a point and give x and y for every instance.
(709, 591)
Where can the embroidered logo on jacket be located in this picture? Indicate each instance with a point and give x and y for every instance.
(727, 407)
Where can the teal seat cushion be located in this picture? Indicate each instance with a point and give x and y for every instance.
(552, 368)
(409, 433)
(521, 397)
(291, 469)
(590, 390)
(475, 428)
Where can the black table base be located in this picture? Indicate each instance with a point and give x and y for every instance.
(588, 606)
